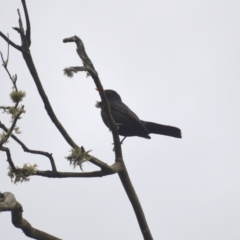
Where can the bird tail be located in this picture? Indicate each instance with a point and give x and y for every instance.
(162, 129)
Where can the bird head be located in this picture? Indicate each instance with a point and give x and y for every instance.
(112, 95)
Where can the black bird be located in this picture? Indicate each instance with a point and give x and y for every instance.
(128, 122)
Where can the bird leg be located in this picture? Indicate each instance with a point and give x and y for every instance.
(120, 142)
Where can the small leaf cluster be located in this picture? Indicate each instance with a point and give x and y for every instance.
(17, 96)
(68, 72)
(78, 156)
(21, 175)
(13, 111)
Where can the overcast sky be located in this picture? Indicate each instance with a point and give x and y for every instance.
(172, 62)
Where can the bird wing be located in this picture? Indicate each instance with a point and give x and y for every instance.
(123, 115)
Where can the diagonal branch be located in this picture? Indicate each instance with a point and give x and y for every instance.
(9, 158)
(123, 175)
(12, 78)
(9, 132)
(30, 64)
(10, 42)
(26, 149)
(91, 70)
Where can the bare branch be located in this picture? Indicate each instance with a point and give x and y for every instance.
(28, 59)
(12, 78)
(26, 149)
(20, 30)
(9, 203)
(9, 158)
(10, 42)
(28, 31)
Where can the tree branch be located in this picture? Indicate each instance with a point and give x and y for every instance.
(26, 149)
(105, 168)
(116, 167)
(28, 31)
(124, 177)
(9, 158)
(30, 64)
(10, 42)
(91, 70)
(9, 203)
(9, 132)
(22, 174)
(12, 78)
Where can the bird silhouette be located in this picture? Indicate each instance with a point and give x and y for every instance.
(128, 122)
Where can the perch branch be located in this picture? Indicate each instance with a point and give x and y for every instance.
(91, 70)
(125, 179)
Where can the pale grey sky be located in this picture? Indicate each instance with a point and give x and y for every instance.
(172, 62)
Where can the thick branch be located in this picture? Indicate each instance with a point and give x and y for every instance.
(9, 203)
(136, 204)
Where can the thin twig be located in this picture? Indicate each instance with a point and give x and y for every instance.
(26, 149)
(9, 132)
(8, 51)
(5, 63)
(9, 158)
(10, 42)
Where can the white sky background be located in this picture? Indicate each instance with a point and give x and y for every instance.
(172, 62)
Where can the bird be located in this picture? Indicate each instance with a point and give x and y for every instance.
(128, 122)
